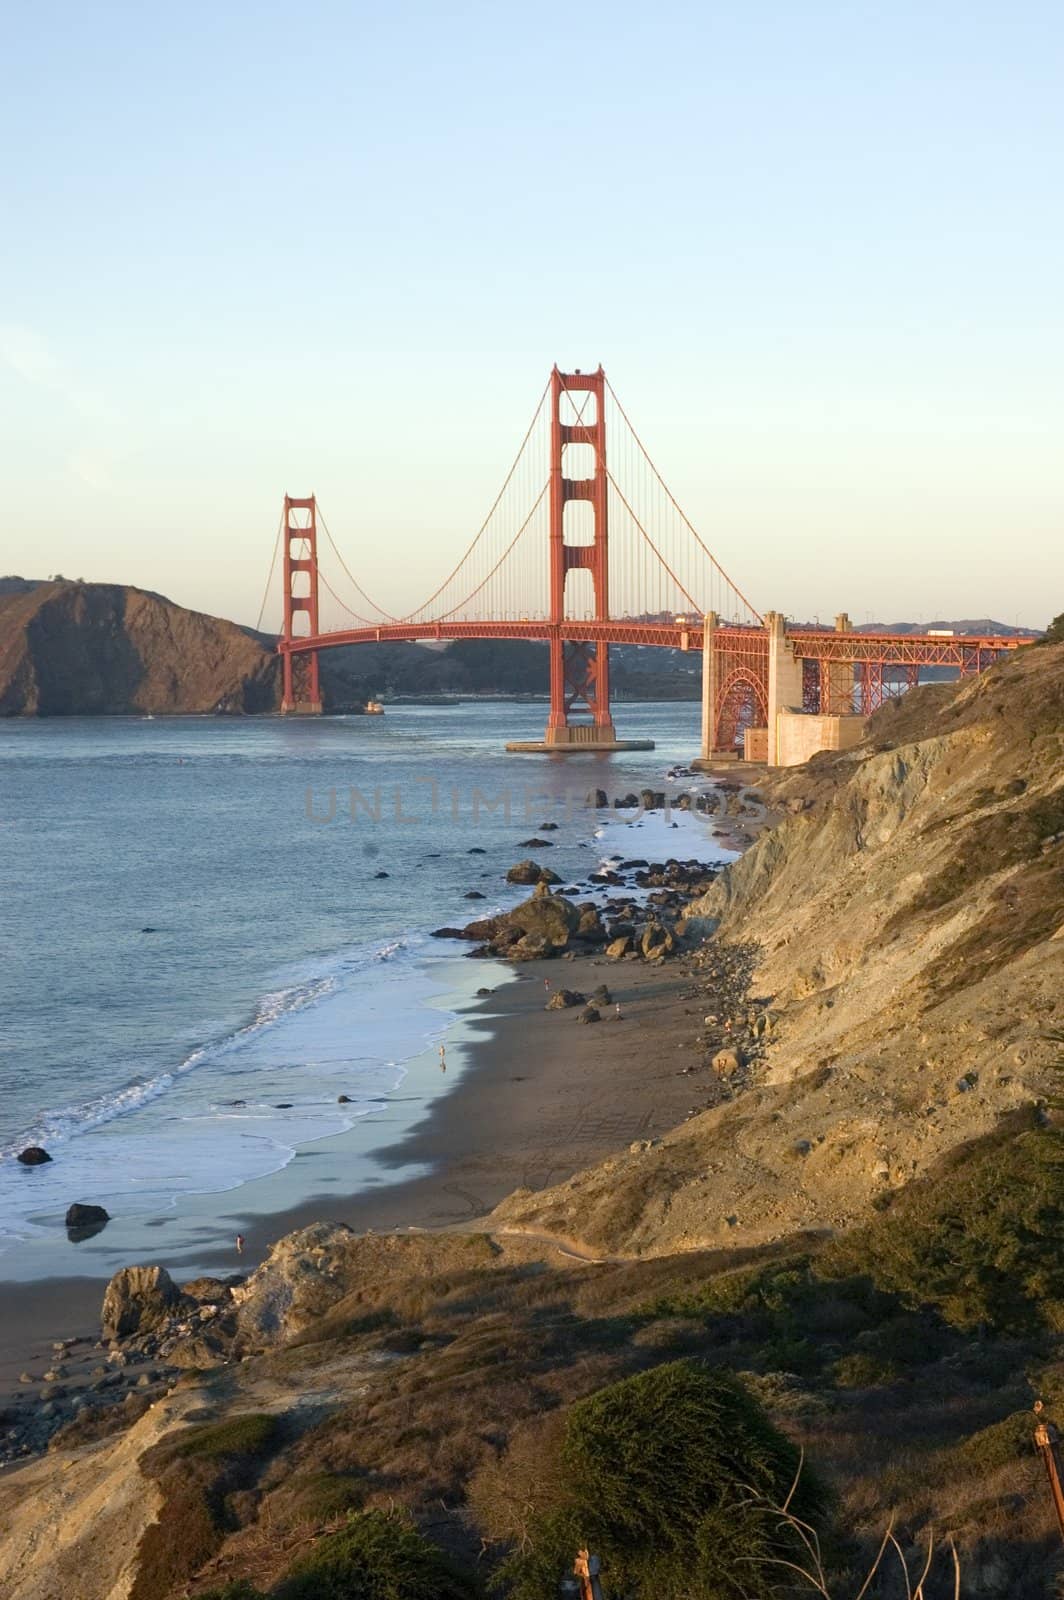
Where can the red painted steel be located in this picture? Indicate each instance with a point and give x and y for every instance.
(880, 664)
(919, 649)
(305, 536)
(580, 667)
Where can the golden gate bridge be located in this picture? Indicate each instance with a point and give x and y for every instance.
(584, 549)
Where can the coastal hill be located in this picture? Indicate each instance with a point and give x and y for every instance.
(94, 648)
(908, 919)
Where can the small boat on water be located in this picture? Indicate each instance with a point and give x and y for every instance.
(374, 708)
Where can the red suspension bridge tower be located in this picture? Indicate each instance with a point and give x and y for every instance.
(580, 716)
(299, 529)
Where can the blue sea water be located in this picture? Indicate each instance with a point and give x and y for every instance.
(290, 872)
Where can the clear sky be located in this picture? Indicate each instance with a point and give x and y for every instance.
(819, 248)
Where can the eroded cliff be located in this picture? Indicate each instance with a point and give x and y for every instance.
(909, 914)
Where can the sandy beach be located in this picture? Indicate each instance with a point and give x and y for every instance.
(540, 1097)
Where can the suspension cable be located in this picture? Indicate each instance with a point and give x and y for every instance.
(269, 580)
(624, 501)
(367, 622)
(683, 515)
(368, 598)
(483, 526)
(473, 594)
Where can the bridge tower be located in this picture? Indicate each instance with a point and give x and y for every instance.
(580, 716)
(300, 534)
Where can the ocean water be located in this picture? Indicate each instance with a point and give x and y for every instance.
(290, 873)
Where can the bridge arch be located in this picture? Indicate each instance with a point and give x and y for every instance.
(742, 702)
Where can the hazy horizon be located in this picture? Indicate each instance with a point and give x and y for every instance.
(816, 249)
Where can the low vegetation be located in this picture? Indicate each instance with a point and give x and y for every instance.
(658, 1411)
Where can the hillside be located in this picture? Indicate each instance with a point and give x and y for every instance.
(80, 649)
(908, 921)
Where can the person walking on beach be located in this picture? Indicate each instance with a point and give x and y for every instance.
(240, 1244)
(443, 1058)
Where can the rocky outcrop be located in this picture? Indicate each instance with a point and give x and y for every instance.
(563, 999)
(136, 1300)
(33, 1156)
(328, 1273)
(530, 871)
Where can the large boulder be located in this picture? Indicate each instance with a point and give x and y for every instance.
(657, 942)
(548, 916)
(79, 1216)
(33, 1156)
(138, 1299)
(530, 871)
(726, 1063)
(590, 925)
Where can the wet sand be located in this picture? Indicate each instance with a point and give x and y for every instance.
(539, 1096)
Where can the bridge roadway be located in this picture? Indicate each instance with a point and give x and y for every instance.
(965, 651)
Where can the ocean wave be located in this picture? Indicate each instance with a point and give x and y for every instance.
(62, 1123)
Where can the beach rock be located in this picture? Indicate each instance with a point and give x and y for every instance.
(536, 844)
(548, 827)
(532, 947)
(590, 925)
(476, 850)
(473, 894)
(657, 942)
(619, 947)
(137, 1299)
(561, 999)
(79, 1216)
(382, 874)
(546, 915)
(481, 993)
(726, 1063)
(531, 872)
(484, 928)
(33, 1156)
(204, 1290)
(601, 996)
(597, 798)
(447, 933)
(343, 1099)
(590, 1014)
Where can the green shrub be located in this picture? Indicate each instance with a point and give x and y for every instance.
(251, 1434)
(979, 1241)
(670, 1476)
(377, 1556)
(863, 1370)
(993, 1447)
(197, 1469)
(316, 1497)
